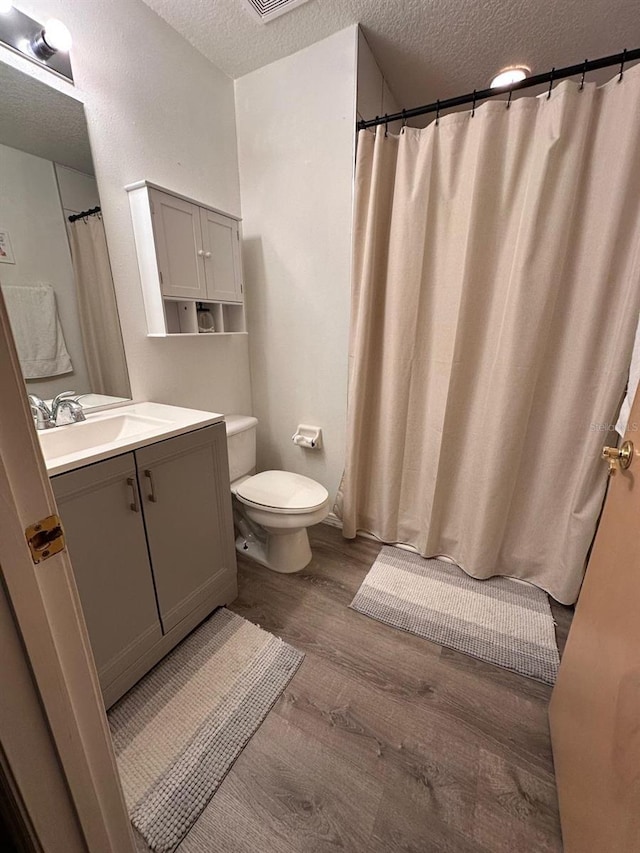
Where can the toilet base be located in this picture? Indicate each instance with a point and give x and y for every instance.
(285, 552)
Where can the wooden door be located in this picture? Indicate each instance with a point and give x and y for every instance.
(595, 707)
(178, 238)
(221, 242)
(76, 778)
(101, 515)
(187, 508)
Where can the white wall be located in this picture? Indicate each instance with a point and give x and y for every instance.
(374, 97)
(156, 109)
(78, 192)
(295, 121)
(31, 211)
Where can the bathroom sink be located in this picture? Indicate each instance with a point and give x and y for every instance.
(78, 437)
(117, 431)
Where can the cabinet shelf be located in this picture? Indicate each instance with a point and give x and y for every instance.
(188, 256)
(184, 317)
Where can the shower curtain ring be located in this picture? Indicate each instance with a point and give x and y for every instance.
(473, 108)
(552, 72)
(437, 113)
(584, 71)
(386, 125)
(509, 99)
(624, 59)
(404, 119)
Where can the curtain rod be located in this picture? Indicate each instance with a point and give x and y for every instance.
(84, 214)
(549, 77)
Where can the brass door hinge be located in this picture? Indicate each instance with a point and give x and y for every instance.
(45, 538)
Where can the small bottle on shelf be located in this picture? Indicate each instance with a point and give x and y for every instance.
(205, 319)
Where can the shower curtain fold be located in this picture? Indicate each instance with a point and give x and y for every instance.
(100, 324)
(495, 297)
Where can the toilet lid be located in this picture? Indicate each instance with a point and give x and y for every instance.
(283, 490)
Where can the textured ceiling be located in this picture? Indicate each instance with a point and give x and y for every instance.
(426, 49)
(41, 121)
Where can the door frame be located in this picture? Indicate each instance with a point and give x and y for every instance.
(65, 771)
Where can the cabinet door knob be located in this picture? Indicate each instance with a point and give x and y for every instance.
(207, 254)
(200, 253)
(134, 494)
(152, 492)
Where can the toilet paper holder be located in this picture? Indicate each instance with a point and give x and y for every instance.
(308, 436)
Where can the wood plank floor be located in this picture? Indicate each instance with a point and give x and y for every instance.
(383, 741)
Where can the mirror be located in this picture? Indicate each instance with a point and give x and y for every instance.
(55, 273)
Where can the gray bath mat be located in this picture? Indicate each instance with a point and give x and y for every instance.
(178, 731)
(497, 620)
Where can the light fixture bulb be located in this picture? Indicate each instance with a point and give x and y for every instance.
(509, 76)
(57, 36)
(5, 7)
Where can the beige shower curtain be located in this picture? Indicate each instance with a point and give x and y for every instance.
(496, 291)
(101, 335)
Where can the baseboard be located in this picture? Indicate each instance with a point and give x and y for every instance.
(333, 521)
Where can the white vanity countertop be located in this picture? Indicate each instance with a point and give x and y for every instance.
(116, 431)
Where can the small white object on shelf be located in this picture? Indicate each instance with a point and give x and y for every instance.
(308, 436)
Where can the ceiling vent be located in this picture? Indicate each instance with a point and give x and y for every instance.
(267, 10)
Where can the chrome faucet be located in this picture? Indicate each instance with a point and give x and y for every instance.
(47, 417)
(75, 414)
(41, 412)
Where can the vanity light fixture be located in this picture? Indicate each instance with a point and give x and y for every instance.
(508, 76)
(53, 38)
(47, 45)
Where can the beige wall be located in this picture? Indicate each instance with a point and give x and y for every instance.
(156, 109)
(296, 121)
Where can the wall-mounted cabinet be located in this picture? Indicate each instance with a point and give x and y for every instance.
(190, 264)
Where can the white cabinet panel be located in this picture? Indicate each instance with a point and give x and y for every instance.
(177, 231)
(187, 510)
(101, 514)
(221, 243)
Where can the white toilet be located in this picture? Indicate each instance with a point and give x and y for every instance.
(273, 509)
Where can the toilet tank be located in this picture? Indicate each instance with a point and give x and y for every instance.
(241, 445)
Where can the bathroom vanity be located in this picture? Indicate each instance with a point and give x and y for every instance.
(143, 494)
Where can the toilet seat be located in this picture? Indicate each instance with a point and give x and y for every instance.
(282, 492)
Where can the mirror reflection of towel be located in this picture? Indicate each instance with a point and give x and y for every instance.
(37, 330)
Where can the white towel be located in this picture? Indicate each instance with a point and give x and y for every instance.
(632, 386)
(37, 330)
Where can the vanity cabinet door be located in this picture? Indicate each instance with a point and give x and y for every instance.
(186, 497)
(179, 250)
(221, 243)
(101, 515)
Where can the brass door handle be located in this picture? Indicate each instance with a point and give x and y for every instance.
(134, 494)
(152, 493)
(618, 457)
